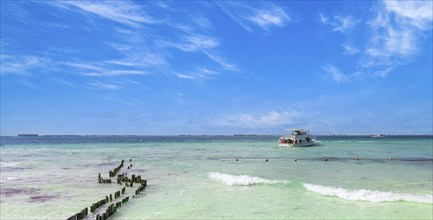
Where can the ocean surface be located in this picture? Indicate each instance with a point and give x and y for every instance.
(221, 177)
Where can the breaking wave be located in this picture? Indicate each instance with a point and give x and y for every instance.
(240, 180)
(368, 195)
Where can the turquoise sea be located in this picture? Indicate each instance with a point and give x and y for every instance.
(221, 177)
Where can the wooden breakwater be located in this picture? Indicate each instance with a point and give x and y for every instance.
(108, 206)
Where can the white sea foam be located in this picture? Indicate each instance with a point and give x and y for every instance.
(368, 195)
(240, 180)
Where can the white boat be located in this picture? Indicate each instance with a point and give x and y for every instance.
(298, 138)
(378, 136)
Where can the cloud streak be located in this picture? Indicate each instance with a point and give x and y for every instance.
(339, 23)
(335, 74)
(395, 30)
(118, 11)
(395, 33)
(22, 65)
(109, 68)
(199, 75)
(259, 120)
(141, 47)
(263, 16)
(105, 86)
(192, 43)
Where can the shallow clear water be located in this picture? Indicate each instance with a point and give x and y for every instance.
(215, 177)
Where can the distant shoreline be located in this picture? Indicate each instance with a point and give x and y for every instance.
(197, 135)
(207, 135)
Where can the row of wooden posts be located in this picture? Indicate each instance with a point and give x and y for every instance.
(79, 215)
(112, 208)
(116, 170)
(129, 182)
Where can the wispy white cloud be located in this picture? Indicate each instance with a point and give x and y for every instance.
(102, 69)
(185, 76)
(104, 86)
(264, 16)
(413, 13)
(272, 16)
(323, 18)
(119, 11)
(198, 75)
(129, 102)
(137, 44)
(344, 24)
(22, 65)
(140, 60)
(350, 49)
(221, 61)
(259, 120)
(192, 43)
(67, 83)
(396, 30)
(339, 23)
(115, 73)
(335, 74)
(83, 65)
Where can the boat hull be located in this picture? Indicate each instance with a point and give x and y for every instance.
(307, 144)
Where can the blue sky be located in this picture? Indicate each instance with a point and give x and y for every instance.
(190, 67)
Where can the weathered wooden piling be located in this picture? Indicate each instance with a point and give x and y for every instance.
(79, 215)
(112, 208)
(125, 200)
(141, 188)
(116, 170)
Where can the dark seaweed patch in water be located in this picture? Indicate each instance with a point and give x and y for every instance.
(101, 164)
(8, 192)
(32, 192)
(361, 160)
(213, 158)
(11, 169)
(140, 170)
(415, 159)
(42, 198)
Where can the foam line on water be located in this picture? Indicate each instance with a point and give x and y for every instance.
(368, 195)
(240, 180)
